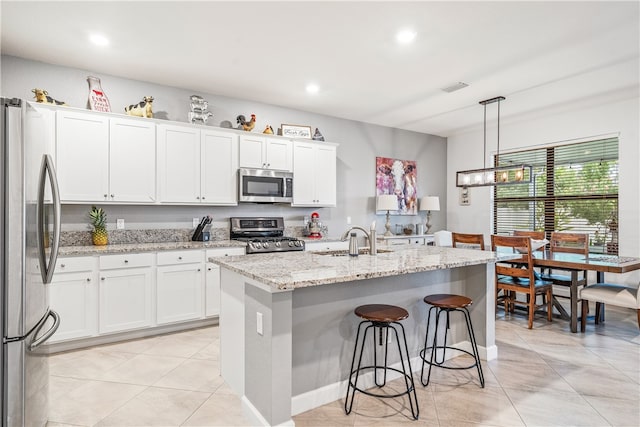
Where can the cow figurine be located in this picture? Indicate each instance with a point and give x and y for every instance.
(42, 97)
(141, 109)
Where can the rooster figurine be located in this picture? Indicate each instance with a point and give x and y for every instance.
(246, 125)
(268, 130)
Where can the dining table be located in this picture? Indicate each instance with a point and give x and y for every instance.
(576, 263)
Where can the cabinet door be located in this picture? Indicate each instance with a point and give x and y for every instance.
(125, 299)
(179, 293)
(179, 164)
(304, 175)
(219, 168)
(212, 290)
(279, 154)
(132, 155)
(325, 172)
(252, 152)
(82, 155)
(73, 297)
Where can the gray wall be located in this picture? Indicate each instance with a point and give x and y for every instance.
(360, 143)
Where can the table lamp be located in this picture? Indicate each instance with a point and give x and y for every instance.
(387, 202)
(429, 203)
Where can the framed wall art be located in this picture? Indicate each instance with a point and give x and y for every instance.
(296, 131)
(399, 177)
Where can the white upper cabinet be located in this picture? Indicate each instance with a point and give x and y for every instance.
(259, 152)
(197, 166)
(132, 156)
(179, 164)
(219, 168)
(102, 159)
(314, 171)
(82, 156)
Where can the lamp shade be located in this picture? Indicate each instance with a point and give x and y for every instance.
(430, 203)
(387, 202)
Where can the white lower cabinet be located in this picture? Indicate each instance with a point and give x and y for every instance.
(179, 286)
(73, 295)
(212, 283)
(125, 292)
(101, 295)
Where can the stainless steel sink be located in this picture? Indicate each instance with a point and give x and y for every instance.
(345, 252)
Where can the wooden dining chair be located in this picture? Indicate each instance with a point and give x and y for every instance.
(517, 276)
(535, 235)
(575, 243)
(468, 240)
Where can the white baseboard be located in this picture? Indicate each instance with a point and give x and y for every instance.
(255, 417)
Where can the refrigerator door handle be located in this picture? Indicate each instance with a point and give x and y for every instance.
(47, 169)
(37, 342)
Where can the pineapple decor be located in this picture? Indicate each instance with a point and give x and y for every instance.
(98, 219)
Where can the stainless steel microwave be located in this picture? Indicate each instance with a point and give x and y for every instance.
(265, 186)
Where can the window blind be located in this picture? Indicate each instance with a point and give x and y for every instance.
(574, 189)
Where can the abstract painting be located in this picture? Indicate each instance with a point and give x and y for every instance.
(399, 177)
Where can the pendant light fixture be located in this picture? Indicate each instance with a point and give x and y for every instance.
(498, 175)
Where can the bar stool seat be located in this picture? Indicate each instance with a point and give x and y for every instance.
(383, 318)
(447, 303)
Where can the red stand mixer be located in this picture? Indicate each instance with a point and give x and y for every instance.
(315, 226)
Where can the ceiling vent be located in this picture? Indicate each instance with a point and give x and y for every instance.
(455, 87)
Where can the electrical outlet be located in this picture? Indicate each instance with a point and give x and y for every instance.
(120, 224)
(348, 220)
(196, 221)
(259, 326)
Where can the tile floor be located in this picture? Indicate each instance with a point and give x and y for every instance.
(543, 377)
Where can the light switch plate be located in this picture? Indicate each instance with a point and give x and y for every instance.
(120, 224)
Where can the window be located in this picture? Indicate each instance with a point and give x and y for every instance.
(574, 188)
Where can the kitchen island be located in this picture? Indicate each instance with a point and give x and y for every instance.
(287, 327)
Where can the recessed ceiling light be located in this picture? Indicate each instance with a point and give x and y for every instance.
(312, 88)
(99, 40)
(405, 36)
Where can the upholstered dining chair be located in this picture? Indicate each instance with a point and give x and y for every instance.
(468, 240)
(517, 276)
(608, 293)
(442, 238)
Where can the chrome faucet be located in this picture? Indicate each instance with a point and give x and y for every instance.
(371, 235)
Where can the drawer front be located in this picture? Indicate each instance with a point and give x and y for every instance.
(126, 261)
(220, 252)
(180, 257)
(74, 264)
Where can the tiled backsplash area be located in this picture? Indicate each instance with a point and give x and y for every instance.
(120, 237)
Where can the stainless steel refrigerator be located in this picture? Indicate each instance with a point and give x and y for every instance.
(29, 240)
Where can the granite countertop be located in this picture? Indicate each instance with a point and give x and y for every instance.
(147, 247)
(293, 270)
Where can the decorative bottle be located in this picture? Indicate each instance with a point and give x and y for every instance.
(98, 100)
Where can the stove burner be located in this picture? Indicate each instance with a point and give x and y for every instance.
(264, 235)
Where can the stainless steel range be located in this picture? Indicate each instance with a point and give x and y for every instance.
(263, 235)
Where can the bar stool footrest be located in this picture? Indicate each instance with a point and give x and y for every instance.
(441, 365)
(363, 368)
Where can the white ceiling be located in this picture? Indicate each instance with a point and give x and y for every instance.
(536, 54)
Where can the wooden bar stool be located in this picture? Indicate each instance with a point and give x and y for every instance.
(447, 303)
(382, 318)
